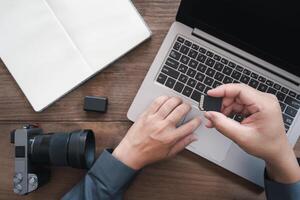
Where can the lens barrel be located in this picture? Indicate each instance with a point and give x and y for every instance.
(75, 149)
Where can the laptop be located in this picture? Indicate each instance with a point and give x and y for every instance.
(52, 46)
(215, 42)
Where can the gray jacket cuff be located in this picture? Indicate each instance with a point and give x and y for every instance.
(275, 190)
(110, 170)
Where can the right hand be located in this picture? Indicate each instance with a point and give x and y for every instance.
(261, 133)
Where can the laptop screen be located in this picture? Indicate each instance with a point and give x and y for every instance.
(269, 29)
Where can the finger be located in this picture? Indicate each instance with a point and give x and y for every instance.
(168, 107)
(186, 129)
(245, 94)
(156, 104)
(181, 144)
(178, 113)
(228, 127)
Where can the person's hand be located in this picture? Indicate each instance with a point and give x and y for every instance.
(261, 133)
(155, 135)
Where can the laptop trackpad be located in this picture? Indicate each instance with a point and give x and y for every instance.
(211, 144)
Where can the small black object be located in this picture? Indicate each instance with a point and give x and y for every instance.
(208, 103)
(96, 104)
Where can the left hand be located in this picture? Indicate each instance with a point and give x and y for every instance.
(155, 135)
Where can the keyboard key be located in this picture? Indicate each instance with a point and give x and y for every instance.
(208, 81)
(219, 76)
(187, 91)
(217, 58)
(224, 61)
(170, 72)
(227, 80)
(172, 63)
(180, 39)
(200, 76)
(193, 63)
(170, 83)
(201, 58)
(177, 46)
(193, 54)
(161, 78)
(200, 87)
(184, 49)
(175, 55)
(280, 96)
(284, 90)
(206, 89)
(202, 68)
(287, 119)
(298, 96)
(216, 84)
(271, 91)
(227, 71)
(239, 118)
(286, 128)
(191, 72)
(202, 50)
(178, 87)
(262, 87)
(269, 83)
(254, 83)
(239, 68)
(236, 75)
(245, 79)
(194, 46)
(187, 43)
(262, 79)
(210, 72)
(182, 68)
(282, 106)
(183, 78)
(219, 66)
(210, 62)
(292, 102)
(291, 111)
(184, 59)
(209, 54)
(191, 82)
(247, 72)
(231, 64)
(196, 95)
(293, 94)
(254, 75)
(277, 86)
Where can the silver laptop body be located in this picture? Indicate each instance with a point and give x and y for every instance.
(231, 157)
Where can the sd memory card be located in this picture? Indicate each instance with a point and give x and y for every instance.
(208, 103)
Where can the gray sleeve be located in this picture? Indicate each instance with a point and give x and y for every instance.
(279, 191)
(107, 179)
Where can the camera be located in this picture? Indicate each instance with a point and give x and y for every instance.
(35, 152)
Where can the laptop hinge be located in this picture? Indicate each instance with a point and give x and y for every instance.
(206, 37)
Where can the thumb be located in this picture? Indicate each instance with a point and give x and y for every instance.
(228, 127)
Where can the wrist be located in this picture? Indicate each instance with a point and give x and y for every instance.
(127, 155)
(284, 168)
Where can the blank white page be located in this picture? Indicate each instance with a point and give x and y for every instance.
(38, 53)
(103, 30)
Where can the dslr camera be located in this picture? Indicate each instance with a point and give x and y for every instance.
(35, 152)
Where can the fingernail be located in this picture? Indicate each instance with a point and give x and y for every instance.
(207, 115)
(194, 137)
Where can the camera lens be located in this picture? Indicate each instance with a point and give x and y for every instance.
(75, 149)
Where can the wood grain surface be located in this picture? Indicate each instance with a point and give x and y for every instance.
(185, 177)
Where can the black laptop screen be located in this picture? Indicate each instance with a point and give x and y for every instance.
(269, 29)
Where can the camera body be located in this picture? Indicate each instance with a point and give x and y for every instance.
(35, 152)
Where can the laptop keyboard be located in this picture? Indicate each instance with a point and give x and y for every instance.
(192, 70)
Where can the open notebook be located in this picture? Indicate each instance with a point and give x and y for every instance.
(52, 46)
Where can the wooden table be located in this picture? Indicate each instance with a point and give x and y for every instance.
(186, 176)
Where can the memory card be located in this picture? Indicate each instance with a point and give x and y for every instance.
(208, 103)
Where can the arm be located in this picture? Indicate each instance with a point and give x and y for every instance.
(107, 179)
(261, 134)
(153, 137)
